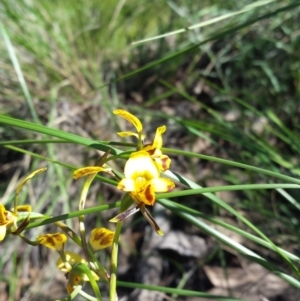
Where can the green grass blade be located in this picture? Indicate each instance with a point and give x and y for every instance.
(227, 226)
(234, 245)
(18, 70)
(212, 38)
(235, 164)
(181, 292)
(58, 134)
(207, 22)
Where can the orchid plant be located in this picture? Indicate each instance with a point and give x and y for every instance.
(142, 177)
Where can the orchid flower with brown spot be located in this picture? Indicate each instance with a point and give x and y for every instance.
(142, 178)
(9, 219)
(66, 265)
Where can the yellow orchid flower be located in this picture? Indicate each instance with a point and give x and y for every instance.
(72, 258)
(101, 238)
(54, 241)
(8, 219)
(142, 178)
(73, 279)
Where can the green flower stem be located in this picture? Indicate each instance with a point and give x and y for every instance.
(114, 264)
(28, 241)
(83, 239)
(82, 200)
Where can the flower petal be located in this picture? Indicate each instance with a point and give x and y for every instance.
(147, 195)
(162, 184)
(131, 118)
(157, 142)
(129, 212)
(7, 218)
(127, 134)
(163, 162)
(85, 171)
(24, 208)
(140, 164)
(28, 178)
(101, 238)
(126, 185)
(2, 232)
(53, 241)
(3, 214)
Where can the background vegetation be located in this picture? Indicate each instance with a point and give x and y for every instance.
(222, 75)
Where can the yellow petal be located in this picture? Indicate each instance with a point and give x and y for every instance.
(131, 118)
(28, 178)
(24, 208)
(140, 164)
(53, 241)
(157, 143)
(127, 134)
(147, 195)
(163, 162)
(85, 171)
(126, 185)
(162, 184)
(101, 238)
(3, 214)
(2, 232)
(6, 217)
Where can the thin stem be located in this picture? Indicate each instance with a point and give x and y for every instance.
(83, 240)
(114, 264)
(28, 241)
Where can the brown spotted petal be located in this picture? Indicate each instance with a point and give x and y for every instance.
(101, 238)
(53, 241)
(85, 171)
